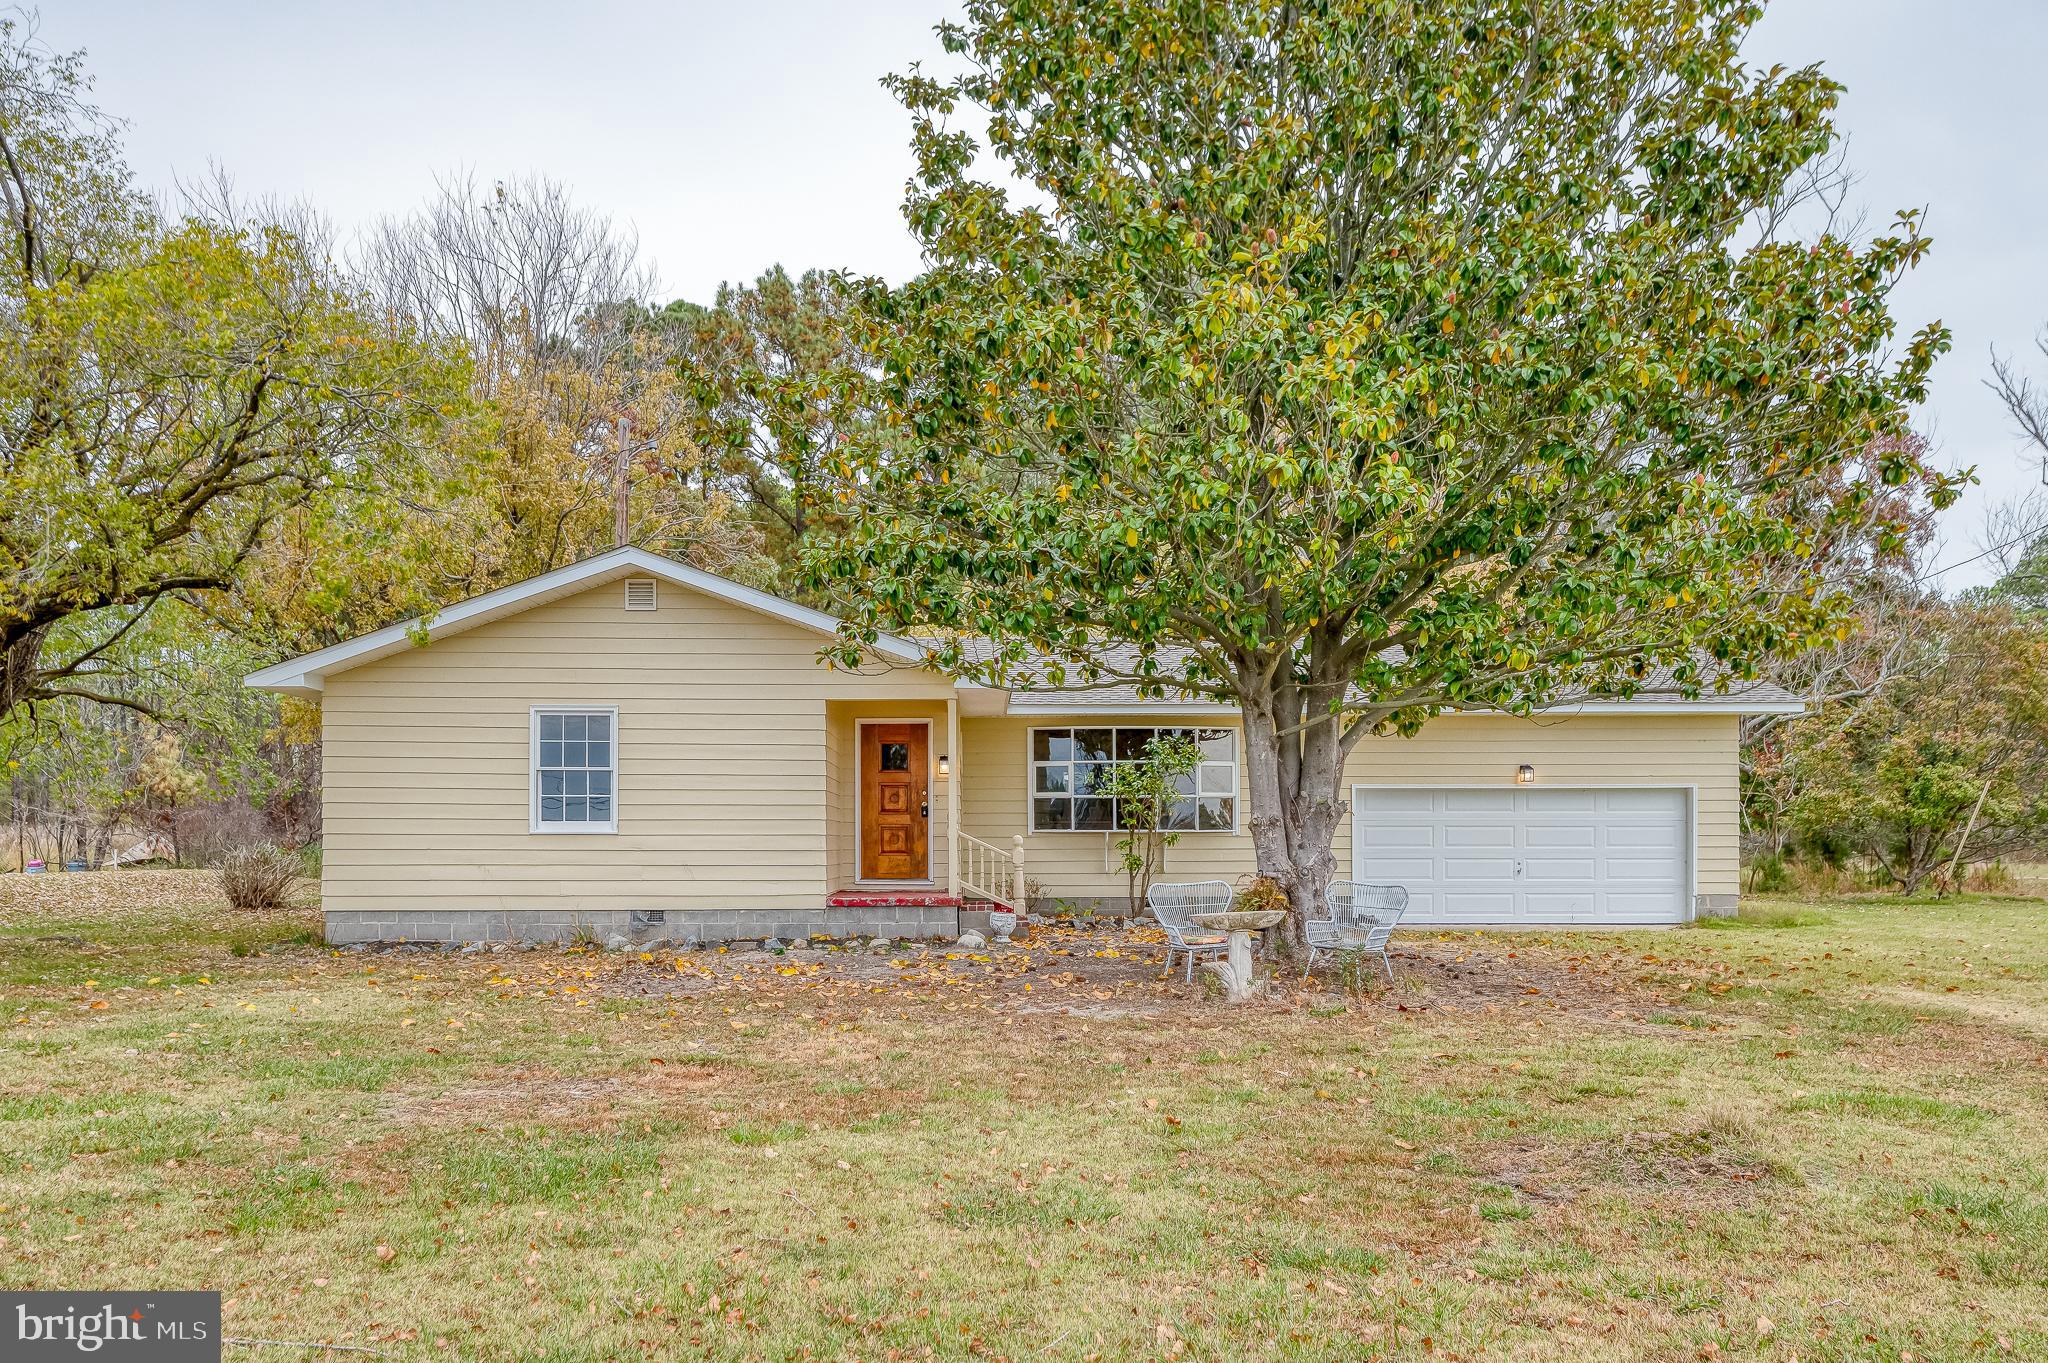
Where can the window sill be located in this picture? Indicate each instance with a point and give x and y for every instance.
(573, 830)
(1118, 832)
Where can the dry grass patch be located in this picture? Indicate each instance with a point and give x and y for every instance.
(1535, 1147)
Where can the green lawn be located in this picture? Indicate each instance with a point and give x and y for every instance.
(1819, 1133)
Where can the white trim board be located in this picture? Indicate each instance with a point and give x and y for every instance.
(306, 676)
(533, 819)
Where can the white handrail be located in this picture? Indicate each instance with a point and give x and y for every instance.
(988, 872)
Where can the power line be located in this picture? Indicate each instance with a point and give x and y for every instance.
(1966, 562)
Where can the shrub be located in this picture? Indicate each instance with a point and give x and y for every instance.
(258, 876)
(1993, 878)
(1768, 874)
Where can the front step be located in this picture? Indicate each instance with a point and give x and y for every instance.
(884, 899)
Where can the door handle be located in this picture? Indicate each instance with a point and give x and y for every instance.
(924, 809)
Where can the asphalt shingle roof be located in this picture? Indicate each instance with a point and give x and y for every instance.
(1659, 688)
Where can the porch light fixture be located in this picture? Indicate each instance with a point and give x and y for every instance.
(945, 765)
(1525, 775)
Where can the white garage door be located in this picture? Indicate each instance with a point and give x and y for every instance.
(1526, 856)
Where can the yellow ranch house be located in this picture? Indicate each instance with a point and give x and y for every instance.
(628, 747)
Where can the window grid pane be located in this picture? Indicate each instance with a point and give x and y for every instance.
(573, 769)
(1067, 764)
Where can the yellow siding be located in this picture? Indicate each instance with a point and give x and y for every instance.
(840, 816)
(737, 762)
(724, 765)
(1679, 750)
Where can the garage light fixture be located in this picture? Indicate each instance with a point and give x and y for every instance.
(1525, 775)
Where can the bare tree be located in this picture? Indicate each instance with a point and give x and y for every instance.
(578, 400)
(214, 199)
(2024, 402)
(2014, 535)
(1814, 202)
(515, 269)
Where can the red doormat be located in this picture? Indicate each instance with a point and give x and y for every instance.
(868, 899)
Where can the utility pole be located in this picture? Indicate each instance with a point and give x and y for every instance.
(619, 498)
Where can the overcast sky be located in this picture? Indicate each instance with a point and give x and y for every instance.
(733, 136)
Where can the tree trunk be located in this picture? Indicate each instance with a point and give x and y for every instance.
(20, 667)
(1920, 855)
(1295, 770)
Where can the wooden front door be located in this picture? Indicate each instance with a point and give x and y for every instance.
(895, 805)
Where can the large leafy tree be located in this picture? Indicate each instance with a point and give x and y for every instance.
(169, 388)
(1945, 766)
(1358, 361)
(761, 366)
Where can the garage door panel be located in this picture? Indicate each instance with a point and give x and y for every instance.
(1478, 868)
(1645, 908)
(1471, 906)
(1400, 835)
(1562, 835)
(1543, 907)
(1409, 871)
(1398, 801)
(1633, 836)
(1479, 835)
(1657, 870)
(1521, 856)
(1583, 869)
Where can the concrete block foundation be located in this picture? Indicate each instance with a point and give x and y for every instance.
(1715, 905)
(679, 927)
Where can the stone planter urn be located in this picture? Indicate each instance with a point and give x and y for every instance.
(1002, 922)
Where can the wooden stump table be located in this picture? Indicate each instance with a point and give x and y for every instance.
(1236, 969)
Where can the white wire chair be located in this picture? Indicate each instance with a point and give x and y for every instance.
(1174, 903)
(1362, 918)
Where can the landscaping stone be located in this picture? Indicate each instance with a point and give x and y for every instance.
(880, 945)
(772, 944)
(617, 942)
(973, 941)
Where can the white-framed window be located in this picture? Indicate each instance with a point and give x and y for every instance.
(575, 766)
(1068, 764)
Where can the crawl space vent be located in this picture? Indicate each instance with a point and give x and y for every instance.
(639, 593)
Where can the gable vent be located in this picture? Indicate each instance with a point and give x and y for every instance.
(639, 593)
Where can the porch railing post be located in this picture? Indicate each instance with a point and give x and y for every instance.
(1019, 903)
